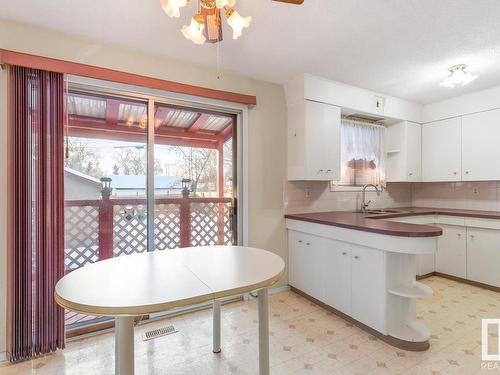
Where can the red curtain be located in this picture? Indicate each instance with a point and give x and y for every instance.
(36, 216)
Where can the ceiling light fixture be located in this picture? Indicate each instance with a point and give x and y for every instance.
(194, 32)
(458, 76)
(206, 25)
(171, 7)
(237, 22)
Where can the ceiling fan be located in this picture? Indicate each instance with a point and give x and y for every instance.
(206, 25)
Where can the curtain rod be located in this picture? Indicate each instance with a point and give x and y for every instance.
(364, 122)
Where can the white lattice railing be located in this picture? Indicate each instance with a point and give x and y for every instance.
(100, 229)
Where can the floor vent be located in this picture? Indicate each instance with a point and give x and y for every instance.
(163, 331)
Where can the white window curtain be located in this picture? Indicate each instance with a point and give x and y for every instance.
(362, 153)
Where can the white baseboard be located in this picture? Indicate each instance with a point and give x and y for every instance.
(275, 290)
(280, 289)
(3, 357)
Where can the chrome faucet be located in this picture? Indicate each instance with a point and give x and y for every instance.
(364, 205)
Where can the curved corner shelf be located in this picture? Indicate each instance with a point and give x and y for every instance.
(416, 290)
(415, 331)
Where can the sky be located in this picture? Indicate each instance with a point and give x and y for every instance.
(107, 149)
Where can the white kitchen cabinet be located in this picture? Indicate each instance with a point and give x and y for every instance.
(313, 141)
(451, 254)
(348, 277)
(296, 273)
(337, 275)
(425, 262)
(480, 146)
(442, 150)
(483, 256)
(368, 287)
(403, 147)
(356, 272)
(306, 253)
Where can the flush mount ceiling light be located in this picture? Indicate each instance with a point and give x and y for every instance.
(206, 25)
(458, 76)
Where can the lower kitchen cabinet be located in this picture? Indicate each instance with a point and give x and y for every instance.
(368, 286)
(337, 275)
(305, 260)
(347, 277)
(465, 250)
(483, 256)
(451, 254)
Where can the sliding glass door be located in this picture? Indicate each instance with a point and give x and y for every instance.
(105, 168)
(193, 178)
(124, 154)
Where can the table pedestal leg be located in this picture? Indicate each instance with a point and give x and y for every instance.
(216, 327)
(263, 333)
(124, 345)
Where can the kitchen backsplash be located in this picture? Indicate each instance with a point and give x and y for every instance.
(303, 196)
(464, 195)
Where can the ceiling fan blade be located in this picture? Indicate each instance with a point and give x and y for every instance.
(295, 2)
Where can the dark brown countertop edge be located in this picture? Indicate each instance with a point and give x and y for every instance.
(399, 229)
(376, 224)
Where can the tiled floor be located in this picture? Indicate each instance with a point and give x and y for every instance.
(305, 339)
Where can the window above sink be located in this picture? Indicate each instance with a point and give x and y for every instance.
(361, 154)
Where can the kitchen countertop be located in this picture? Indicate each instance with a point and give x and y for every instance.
(416, 211)
(374, 222)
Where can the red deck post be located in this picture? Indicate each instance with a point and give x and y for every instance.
(220, 188)
(105, 229)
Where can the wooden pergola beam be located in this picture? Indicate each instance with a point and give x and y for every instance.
(100, 125)
(101, 130)
(200, 121)
(227, 133)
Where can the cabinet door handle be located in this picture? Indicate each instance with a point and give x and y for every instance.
(459, 235)
(344, 253)
(454, 172)
(320, 171)
(300, 241)
(356, 256)
(471, 236)
(328, 170)
(411, 174)
(466, 172)
(308, 243)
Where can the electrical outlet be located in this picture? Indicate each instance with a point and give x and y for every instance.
(475, 191)
(307, 192)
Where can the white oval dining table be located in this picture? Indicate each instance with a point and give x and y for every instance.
(146, 283)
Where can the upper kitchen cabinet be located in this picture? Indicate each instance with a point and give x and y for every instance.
(481, 146)
(313, 141)
(442, 150)
(314, 110)
(403, 148)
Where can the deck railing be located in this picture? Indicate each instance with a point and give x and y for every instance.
(104, 228)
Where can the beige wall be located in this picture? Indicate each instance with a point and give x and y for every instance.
(267, 123)
(302, 196)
